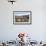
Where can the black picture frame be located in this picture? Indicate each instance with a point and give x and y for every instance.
(22, 17)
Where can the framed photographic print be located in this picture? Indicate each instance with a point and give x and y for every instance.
(22, 17)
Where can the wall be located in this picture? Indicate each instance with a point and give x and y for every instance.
(9, 31)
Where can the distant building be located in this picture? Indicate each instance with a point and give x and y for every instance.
(24, 18)
(1, 44)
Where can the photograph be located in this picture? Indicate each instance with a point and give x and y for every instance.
(22, 17)
(22, 22)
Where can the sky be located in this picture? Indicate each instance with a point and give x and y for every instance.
(21, 13)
